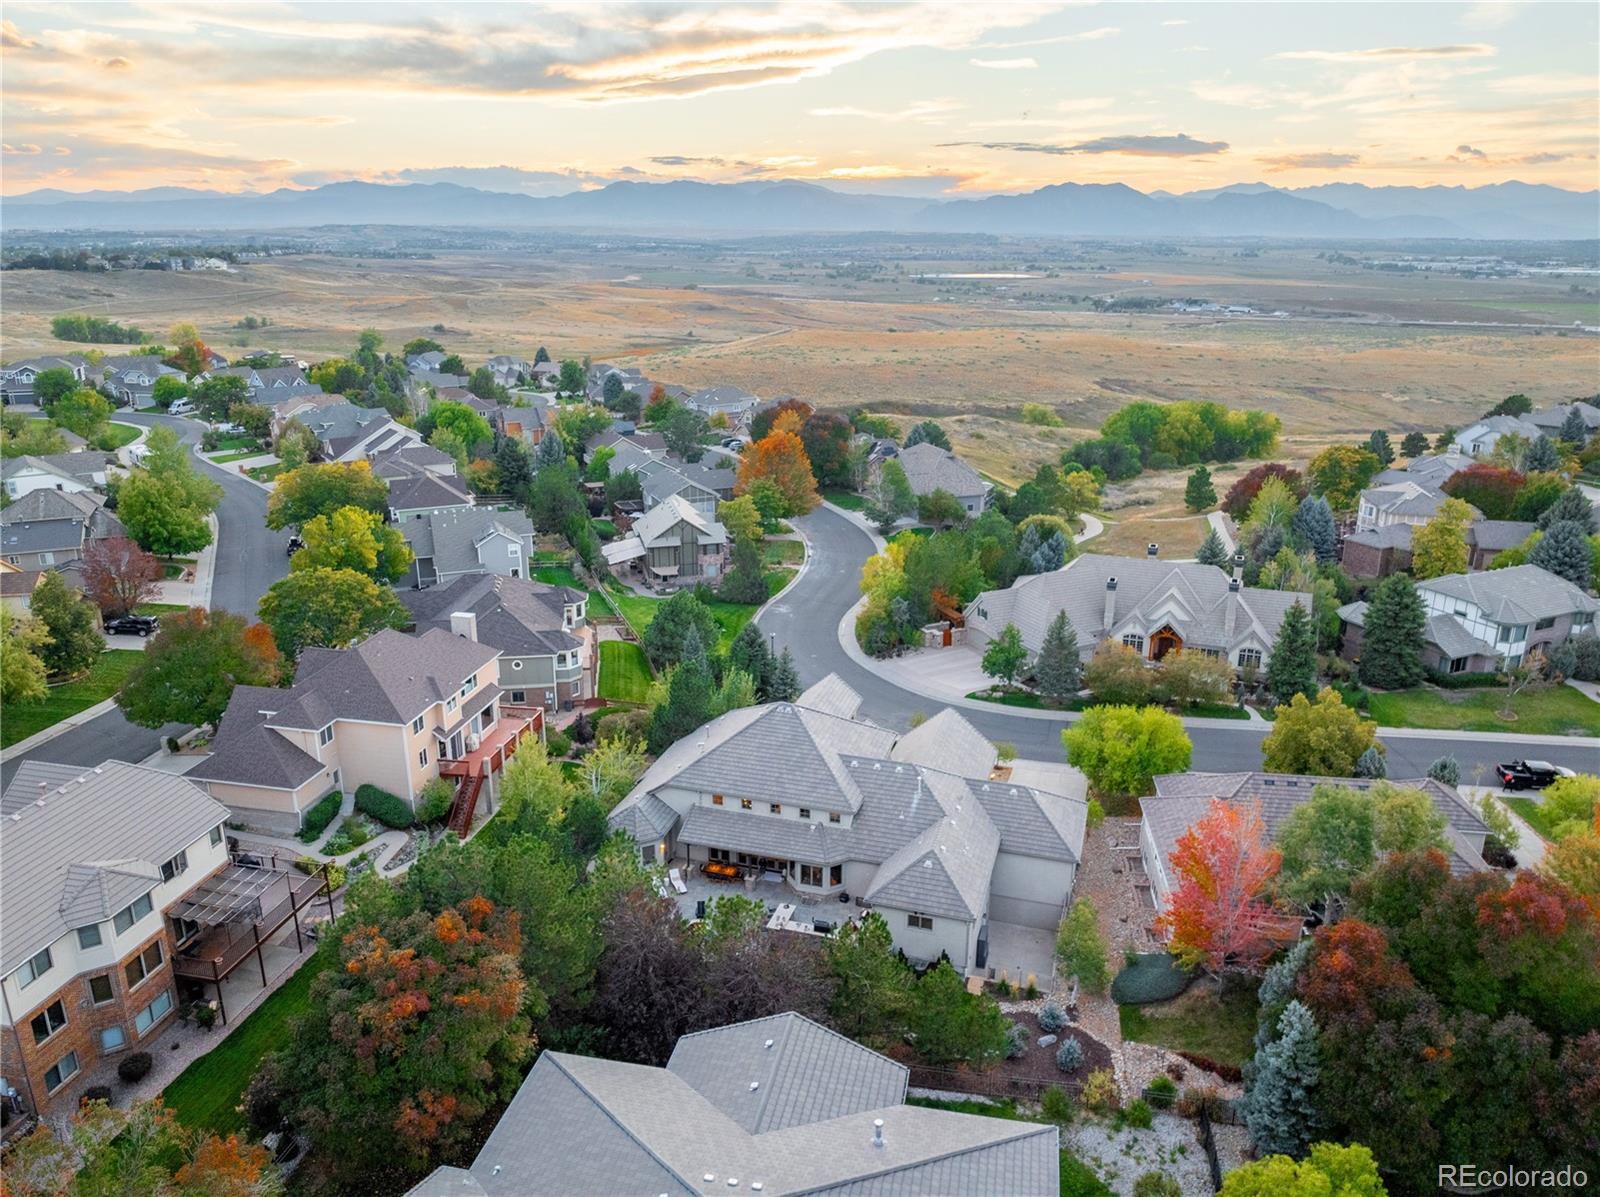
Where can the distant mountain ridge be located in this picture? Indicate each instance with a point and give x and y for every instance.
(1506, 211)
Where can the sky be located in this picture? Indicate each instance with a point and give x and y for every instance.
(920, 99)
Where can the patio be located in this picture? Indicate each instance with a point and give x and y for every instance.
(770, 892)
(1017, 953)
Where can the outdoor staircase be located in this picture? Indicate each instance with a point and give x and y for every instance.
(466, 801)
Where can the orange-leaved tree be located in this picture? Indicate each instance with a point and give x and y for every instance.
(781, 459)
(1218, 916)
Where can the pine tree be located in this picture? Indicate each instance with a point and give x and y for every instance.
(1564, 551)
(1573, 430)
(1371, 764)
(744, 582)
(688, 703)
(1212, 550)
(1058, 673)
(1293, 667)
(1446, 769)
(1415, 444)
(1391, 641)
(1572, 504)
(1050, 556)
(1198, 493)
(1027, 546)
(1280, 1102)
(1314, 527)
(1542, 456)
(1379, 445)
(748, 653)
(785, 685)
(552, 450)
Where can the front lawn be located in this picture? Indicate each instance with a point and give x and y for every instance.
(122, 434)
(158, 609)
(848, 499)
(1220, 1027)
(266, 473)
(783, 552)
(1534, 813)
(238, 455)
(236, 441)
(207, 1094)
(624, 671)
(105, 677)
(1552, 711)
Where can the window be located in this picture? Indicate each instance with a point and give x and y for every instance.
(514, 551)
(717, 854)
(89, 937)
(1461, 610)
(62, 1071)
(1581, 619)
(100, 990)
(745, 804)
(920, 922)
(1545, 623)
(416, 725)
(1134, 641)
(36, 967)
(518, 696)
(468, 686)
(516, 664)
(775, 808)
(132, 913)
(153, 1013)
(422, 757)
(810, 874)
(48, 558)
(1458, 664)
(325, 736)
(216, 835)
(1249, 658)
(142, 965)
(716, 800)
(112, 1039)
(48, 1021)
(833, 817)
(451, 705)
(805, 812)
(183, 930)
(836, 875)
(173, 867)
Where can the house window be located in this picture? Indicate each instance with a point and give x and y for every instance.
(1134, 641)
(745, 804)
(153, 1013)
(173, 867)
(36, 967)
(775, 808)
(516, 664)
(811, 874)
(422, 757)
(142, 965)
(833, 817)
(132, 913)
(1581, 620)
(216, 835)
(920, 922)
(416, 725)
(1249, 658)
(1458, 664)
(451, 705)
(805, 812)
(717, 854)
(716, 800)
(183, 930)
(48, 1021)
(468, 686)
(48, 558)
(836, 875)
(518, 697)
(89, 937)
(113, 1039)
(1545, 623)
(325, 736)
(100, 991)
(62, 1071)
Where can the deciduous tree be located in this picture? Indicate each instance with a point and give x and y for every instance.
(118, 575)
(1218, 915)
(1117, 673)
(779, 458)
(353, 538)
(666, 638)
(328, 608)
(1491, 489)
(1188, 678)
(1005, 655)
(1439, 547)
(190, 668)
(1340, 472)
(1121, 748)
(1331, 1170)
(940, 509)
(1243, 492)
(301, 495)
(22, 669)
(1080, 948)
(872, 1001)
(75, 642)
(1323, 738)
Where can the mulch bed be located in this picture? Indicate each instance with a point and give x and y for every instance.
(1028, 1075)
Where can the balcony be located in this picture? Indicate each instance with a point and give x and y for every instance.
(497, 745)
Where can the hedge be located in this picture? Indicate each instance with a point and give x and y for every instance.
(383, 806)
(1153, 977)
(319, 816)
(1463, 681)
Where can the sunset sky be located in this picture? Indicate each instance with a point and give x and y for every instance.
(912, 99)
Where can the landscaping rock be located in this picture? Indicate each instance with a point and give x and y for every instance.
(1046, 1040)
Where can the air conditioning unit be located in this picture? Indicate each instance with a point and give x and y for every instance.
(472, 741)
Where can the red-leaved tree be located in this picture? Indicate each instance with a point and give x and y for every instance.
(119, 575)
(1218, 916)
(1491, 489)
(1243, 492)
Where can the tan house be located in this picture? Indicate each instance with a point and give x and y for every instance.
(670, 545)
(395, 711)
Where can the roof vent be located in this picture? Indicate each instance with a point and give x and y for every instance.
(768, 1045)
(853, 764)
(754, 1184)
(877, 1132)
(495, 1171)
(1111, 582)
(98, 769)
(733, 1182)
(754, 1085)
(1151, 549)
(709, 1177)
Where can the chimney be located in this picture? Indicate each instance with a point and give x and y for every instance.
(877, 1132)
(464, 624)
(1238, 568)
(1111, 605)
(1151, 549)
(1230, 613)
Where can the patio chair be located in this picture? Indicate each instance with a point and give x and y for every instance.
(676, 875)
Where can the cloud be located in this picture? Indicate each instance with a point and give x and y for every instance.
(1088, 35)
(1468, 151)
(927, 111)
(1309, 161)
(1469, 50)
(1543, 85)
(1177, 145)
(11, 38)
(1488, 16)
(25, 148)
(501, 178)
(1006, 64)
(118, 63)
(689, 160)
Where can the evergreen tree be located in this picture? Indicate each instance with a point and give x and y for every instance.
(1050, 556)
(1058, 673)
(1391, 641)
(1573, 430)
(1314, 527)
(551, 451)
(1446, 769)
(1371, 764)
(72, 623)
(1293, 667)
(927, 432)
(1212, 550)
(542, 356)
(1564, 551)
(1415, 444)
(1027, 547)
(1198, 493)
(744, 582)
(688, 704)
(748, 653)
(785, 679)
(1378, 445)
(514, 467)
(1572, 504)
(1280, 1102)
(1542, 456)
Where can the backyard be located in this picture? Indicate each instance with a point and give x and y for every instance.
(1201, 1021)
(1551, 711)
(624, 672)
(104, 679)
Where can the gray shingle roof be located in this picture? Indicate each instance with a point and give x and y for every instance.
(656, 525)
(930, 468)
(450, 538)
(247, 752)
(94, 840)
(949, 743)
(947, 868)
(1390, 536)
(1451, 637)
(1499, 534)
(1520, 594)
(763, 834)
(518, 616)
(1552, 418)
(425, 490)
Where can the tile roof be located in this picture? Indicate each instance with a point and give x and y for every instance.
(1521, 594)
(930, 468)
(832, 696)
(949, 743)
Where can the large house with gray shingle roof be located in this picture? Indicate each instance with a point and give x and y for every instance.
(49, 528)
(929, 468)
(456, 541)
(776, 1107)
(926, 829)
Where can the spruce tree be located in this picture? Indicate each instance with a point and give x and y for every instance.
(748, 653)
(1198, 493)
(1050, 556)
(1415, 444)
(1391, 641)
(745, 581)
(1314, 527)
(552, 450)
(688, 703)
(1058, 673)
(785, 685)
(1371, 764)
(1564, 551)
(1572, 504)
(1027, 546)
(1573, 430)
(1293, 667)
(1542, 456)
(1212, 550)
(1378, 443)
(1446, 769)
(1280, 1102)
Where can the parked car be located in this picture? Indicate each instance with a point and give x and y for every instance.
(133, 625)
(226, 429)
(295, 545)
(181, 407)
(1530, 775)
(733, 443)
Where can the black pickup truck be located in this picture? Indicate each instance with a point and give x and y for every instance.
(1529, 775)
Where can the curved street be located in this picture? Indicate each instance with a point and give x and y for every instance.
(805, 617)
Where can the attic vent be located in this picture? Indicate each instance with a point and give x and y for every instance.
(877, 764)
(927, 862)
(853, 764)
(709, 1176)
(733, 1182)
(1267, 781)
(899, 769)
(754, 1184)
(754, 1085)
(768, 1045)
(985, 787)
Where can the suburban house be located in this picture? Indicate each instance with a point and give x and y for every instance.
(346, 432)
(929, 468)
(542, 633)
(1381, 551)
(732, 402)
(16, 586)
(509, 371)
(422, 481)
(1487, 539)
(99, 865)
(298, 403)
(423, 363)
(16, 380)
(1550, 420)
(671, 543)
(1480, 438)
(468, 540)
(395, 711)
(661, 475)
(265, 382)
(47, 528)
(65, 472)
(1182, 799)
(925, 827)
(775, 1106)
(1152, 606)
(1482, 622)
(130, 379)
(436, 380)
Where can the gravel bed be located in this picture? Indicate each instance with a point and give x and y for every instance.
(1120, 1157)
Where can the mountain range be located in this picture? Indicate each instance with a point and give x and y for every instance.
(1500, 211)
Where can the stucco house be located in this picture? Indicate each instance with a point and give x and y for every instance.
(840, 808)
(1152, 606)
(456, 540)
(1480, 438)
(671, 544)
(929, 468)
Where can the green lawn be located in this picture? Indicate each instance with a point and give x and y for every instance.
(624, 671)
(1219, 1027)
(266, 473)
(847, 499)
(783, 552)
(237, 441)
(1534, 814)
(123, 434)
(238, 455)
(23, 719)
(561, 575)
(158, 608)
(1555, 711)
(207, 1094)
(731, 617)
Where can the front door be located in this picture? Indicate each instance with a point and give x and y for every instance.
(1163, 642)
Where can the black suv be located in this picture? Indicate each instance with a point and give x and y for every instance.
(295, 545)
(1529, 775)
(133, 625)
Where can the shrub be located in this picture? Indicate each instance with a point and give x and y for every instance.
(623, 725)
(1032, 991)
(558, 743)
(1100, 1091)
(1016, 1040)
(205, 1017)
(1162, 1092)
(1056, 1105)
(383, 806)
(1464, 681)
(581, 729)
(337, 873)
(1157, 1184)
(319, 816)
(1069, 1056)
(1139, 1114)
(437, 797)
(1202, 1097)
(135, 1068)
(1002, 988)
(351, 834)
(1153, 977)
(95, 1093)
(1052, 1017)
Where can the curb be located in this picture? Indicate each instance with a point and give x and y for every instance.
(805, 564)
(22, 747)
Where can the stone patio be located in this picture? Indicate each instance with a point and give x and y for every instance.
(768, 891)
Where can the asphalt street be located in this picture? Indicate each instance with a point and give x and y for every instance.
(805, 620)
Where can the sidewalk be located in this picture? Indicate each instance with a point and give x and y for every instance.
(198, 592)
(1220, 521)
(1530, 847)
(44, 736)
